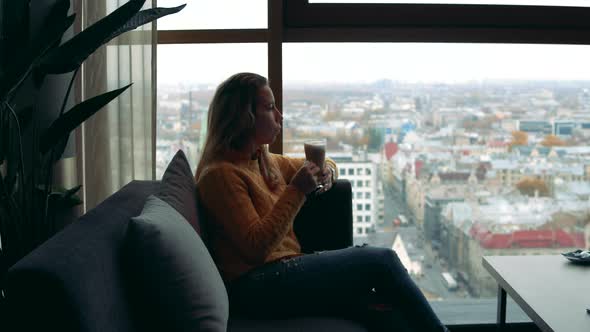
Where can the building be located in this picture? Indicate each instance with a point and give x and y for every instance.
(526, 226)
(367, 193)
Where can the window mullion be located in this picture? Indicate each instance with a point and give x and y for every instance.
(275, 60)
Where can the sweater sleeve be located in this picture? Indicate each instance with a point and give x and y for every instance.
(226, 197)
(288, 166)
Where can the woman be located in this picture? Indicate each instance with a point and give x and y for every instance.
(251, 198)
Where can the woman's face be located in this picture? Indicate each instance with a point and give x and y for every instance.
(268, 117)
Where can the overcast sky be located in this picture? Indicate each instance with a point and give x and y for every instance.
(357, 62)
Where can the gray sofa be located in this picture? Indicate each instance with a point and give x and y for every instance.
(76, 281)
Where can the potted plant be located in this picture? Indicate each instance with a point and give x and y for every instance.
(29, 203)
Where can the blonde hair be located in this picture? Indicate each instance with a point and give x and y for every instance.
(232, 124)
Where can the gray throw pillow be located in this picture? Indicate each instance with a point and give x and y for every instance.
(178, 189)
(173, 272)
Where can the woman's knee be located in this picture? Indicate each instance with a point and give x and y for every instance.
(380, 256)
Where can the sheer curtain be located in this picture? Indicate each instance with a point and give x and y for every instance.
(117, 142)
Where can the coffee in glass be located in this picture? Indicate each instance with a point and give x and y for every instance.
(315, 151)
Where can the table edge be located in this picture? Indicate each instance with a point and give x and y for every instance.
(538, 320)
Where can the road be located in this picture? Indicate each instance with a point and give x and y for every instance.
(431, 281)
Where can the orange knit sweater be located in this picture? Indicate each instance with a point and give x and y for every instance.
(247, 223)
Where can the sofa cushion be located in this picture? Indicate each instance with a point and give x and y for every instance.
(175, 278)
(179, 189)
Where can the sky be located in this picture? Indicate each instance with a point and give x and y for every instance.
(357, 62)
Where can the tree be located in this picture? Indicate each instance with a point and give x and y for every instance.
(528, 186)
(376, 138)
(552, 140)
(519, 138)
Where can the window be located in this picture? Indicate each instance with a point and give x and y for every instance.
(359, 218)
(441, 86)
(359, 195)
(573, 3)
(404, 83)
(215, 14)
(367, 195)
(359, 171)
(185, 88)
(367, 218)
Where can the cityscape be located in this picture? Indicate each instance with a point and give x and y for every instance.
(443, 173)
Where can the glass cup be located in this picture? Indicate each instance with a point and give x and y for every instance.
(315, 151)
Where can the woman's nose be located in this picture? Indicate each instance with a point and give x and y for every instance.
(278, 115)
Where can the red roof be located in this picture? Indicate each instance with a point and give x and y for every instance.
(527, 239)
(497, 144)
(390, 150)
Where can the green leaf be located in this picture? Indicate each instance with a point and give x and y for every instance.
(3, 133)
(25, 115)
(63, 125)
(13, 153)
(144, 17)
(55, 27)
(59, 148)
(72, 53)
(70, 192)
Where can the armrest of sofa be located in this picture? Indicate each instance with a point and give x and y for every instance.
(75, 281)
(325, 221)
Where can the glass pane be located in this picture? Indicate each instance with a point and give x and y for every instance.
(187, 78)
(565, 3)
(467, 150)
(215, 14)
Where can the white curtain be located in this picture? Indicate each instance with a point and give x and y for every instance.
(117, 142)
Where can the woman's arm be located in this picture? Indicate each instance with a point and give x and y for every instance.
(226, 197)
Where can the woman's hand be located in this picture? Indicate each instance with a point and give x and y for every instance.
(304, 180)
(326, 179)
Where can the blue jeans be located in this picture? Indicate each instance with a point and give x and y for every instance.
(341, 282)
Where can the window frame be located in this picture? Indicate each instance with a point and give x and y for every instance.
(292, 21)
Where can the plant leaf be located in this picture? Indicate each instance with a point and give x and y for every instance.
(68, 193)
(144, 17)
(63, 125)
(72, 53)
(13, 154)
(25, 115)
(55, 27)
(3, 132)
(59, 148)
